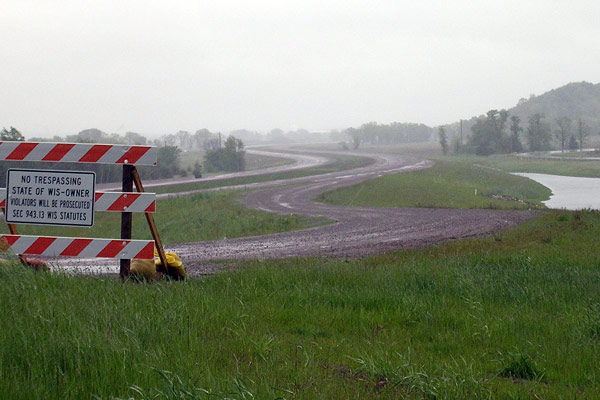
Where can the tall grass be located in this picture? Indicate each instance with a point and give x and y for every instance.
(513, 316)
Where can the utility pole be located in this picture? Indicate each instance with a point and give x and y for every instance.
(461, 135)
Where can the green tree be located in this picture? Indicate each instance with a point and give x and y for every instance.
(200, 137)
(235, 154)
(185, 140)
(443, 139)
(197, 171)
(502, 118)
(133, 138)
(212, 142)
(515, 142)
(482, 138)
(168, 162)
(564, 131)
(55, 138)
(488, 136)
(230, 157)
(573, 143)
(343, 145)
(395, 132)
(11, 135)
(457, 145)
(8, 135)
(94, 135)
(583, 131)
(538, 133)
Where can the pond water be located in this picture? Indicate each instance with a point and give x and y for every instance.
(569, 192)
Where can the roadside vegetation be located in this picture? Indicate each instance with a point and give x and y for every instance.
(202, 216)
(511, 316)
(448, 184)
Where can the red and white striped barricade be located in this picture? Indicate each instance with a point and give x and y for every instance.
(78, 247)
(125, 202)
(78, 153)
(114, 201)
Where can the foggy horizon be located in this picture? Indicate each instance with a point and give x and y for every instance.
(157, 68)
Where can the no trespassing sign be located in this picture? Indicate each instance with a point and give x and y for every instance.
(42, 197)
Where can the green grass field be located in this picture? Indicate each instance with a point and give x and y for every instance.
(448, 184)
(589, 169)
(516, 315)
(203, 216)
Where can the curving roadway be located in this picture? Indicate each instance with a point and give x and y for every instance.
(355, 232)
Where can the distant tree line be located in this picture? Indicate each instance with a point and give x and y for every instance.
(168, 157)
(396, 132)
(499, 133)
(189, 141)
(369, 133)
(219, 156)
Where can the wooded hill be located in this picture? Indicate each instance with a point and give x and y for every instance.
(574, 100)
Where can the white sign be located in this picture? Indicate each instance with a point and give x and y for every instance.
(44, 197)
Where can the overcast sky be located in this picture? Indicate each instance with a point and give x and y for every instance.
(156, 67)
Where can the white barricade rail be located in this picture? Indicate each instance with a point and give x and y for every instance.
(78, 247)
(130, 202)
(78, 153)
(114, 201)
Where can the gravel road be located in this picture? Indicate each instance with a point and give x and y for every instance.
(356, 232)
(301, 161)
